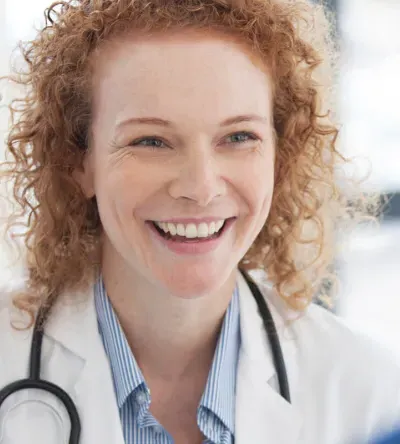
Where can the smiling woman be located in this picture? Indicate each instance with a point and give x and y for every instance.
(161, 149)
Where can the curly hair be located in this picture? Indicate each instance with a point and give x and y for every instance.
(50, 133)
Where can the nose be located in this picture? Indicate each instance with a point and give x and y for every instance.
(198, 178)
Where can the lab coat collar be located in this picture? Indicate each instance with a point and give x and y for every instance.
(262, 415)
(73, 325)
(73, 322)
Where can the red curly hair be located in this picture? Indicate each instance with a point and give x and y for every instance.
(50, 133)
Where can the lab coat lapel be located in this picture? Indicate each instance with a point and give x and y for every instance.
(262, 415)
(79, 364)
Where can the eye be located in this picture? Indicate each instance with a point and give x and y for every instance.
(243, 137)
(152, 142)
(157, 143)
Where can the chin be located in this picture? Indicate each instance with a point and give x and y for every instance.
(196, 282)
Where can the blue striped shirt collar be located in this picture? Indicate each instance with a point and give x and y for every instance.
(219, 393)
(126, 373)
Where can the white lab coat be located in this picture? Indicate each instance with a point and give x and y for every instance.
(343, 387)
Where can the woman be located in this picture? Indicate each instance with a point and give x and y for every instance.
(162, 147)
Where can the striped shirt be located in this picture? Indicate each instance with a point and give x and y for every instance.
(216, 411)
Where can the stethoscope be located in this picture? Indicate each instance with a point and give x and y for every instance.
(34, 382)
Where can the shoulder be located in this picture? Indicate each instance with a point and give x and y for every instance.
(15, 342)
(327, 339)
(319, 332)
(338, 369)
(331, 333)
(362, 362)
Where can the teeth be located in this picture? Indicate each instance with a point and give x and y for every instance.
(211, 228)
(172, 229)
(203, 230)
(218, 225)
(180, 229)
(191, 231)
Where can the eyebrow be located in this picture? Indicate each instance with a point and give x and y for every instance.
(167, 123)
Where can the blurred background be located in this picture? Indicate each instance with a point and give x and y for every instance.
(369, 96)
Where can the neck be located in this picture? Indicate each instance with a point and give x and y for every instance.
(170, 337)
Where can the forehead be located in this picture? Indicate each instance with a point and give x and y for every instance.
(212, 74)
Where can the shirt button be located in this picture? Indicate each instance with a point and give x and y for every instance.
(210, 425)
(158, 430)
(141, 398)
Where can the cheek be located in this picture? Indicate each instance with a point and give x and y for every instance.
(125, 188)
(258, 184)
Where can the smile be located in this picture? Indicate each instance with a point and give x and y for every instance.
(191, 238)
(190, 231)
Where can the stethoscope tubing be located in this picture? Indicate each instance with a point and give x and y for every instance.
(273, 338)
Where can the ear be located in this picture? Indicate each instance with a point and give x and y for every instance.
(85, 177)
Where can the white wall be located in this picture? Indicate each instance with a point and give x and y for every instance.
(11, 271)
(370, 87)
(369, 95)
(370, 274)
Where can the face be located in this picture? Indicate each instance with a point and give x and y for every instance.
(183, 143)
